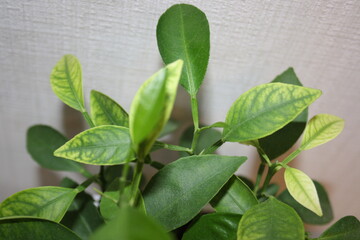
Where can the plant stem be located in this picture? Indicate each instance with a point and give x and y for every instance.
(85, 173)
(292, 156)
(123, 178)
(195, 140)
(260, 173)
(136, 180)
(271, 172)
(213, 148)
(88, 119)
(195, 112)
(86, 183)
(172, 147)
(157, 165)
(264, 156)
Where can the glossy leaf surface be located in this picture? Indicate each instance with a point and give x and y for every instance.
(271, 220)
(347, 228)
(183, 33)
(302, 189)
(25, 228)
(104, 145)
(265, 109)
(306, 215)
(131, 224)
(105, 111)
(321, 129)
(43, 202)
(234, 197)
(152, 106)
(181, 189)
(66, 82)
(282, 140)
(41, 142)
(214, 226)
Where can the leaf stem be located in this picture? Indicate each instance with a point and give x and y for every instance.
(88, 119)
(157, 165)
(264, 156)
(195, 112)
(172, 147)
(213, 148)
(136, 180)
(195, 140)
(123, 179)
(292, 156)
(86, 183)
(259, 175)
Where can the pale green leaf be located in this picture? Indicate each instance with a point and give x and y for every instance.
(183, 33)
(131, 224)
(302, 189)
(41, 142)
(26, 228)
(181, 189)
(271, 220)
(104, 145)
(234, 197)
(321, 129)
(347, 228)
(265, 109)
(66, 82)
(214, 226)
(105, 111)
(152, 106)
(44, 202)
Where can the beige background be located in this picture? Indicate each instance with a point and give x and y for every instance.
(252, 42)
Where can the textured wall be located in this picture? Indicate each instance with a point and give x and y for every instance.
(252, 41)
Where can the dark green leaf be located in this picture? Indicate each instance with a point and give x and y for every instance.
(25, 228)
(131, 224)
(41, 142)
(347, 228)
(105, 111)
(44, 202)
(271, 220)
(265, 109)
(306, 215)
(214, 226)
(272, 189)
(169, 127)
(234, 197)
(182, 188)
(104, 145)
(183, 33)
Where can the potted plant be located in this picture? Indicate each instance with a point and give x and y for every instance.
(270, 117)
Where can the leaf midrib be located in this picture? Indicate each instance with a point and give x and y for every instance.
(68, 77)
(105, 110)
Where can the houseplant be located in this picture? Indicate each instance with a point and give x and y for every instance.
(270, 117)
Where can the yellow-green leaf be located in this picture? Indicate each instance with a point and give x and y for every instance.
(265, 109)
(302, 189)
(44, 202)
(104, 145)
(152, 106)
(321, 129)
(66, 82)
(105, 111)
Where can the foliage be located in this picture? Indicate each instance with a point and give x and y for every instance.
(270, 117)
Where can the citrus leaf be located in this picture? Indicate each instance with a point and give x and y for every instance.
(26, 228)
(270, 220)
(181, 189)
(265, 109)
(234, 197)
(169, 127)
(347, 228)
(66, 82)
(131, 224)
(45, 202)
(105, 111)
(183, 33)
(214, 226)
(41, 142)
(306, 215)
(104, 145)
(302, 189)
(152, 106)
(321, 129)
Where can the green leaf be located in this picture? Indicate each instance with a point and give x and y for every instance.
(105, 111)
(282, 140)
(306, 215)
(214, 226)
(152, 106)
(302, 189)
(347, 228)
(43, 202)
(272, 189)
(265, 109)
(234, 197)
(131, 224)
(41, 142)
(181, 189)
(26, 228)
(104, 145)
(169, 127)
(66, 82)
(271, 220)
(321, 129)
(183, 33)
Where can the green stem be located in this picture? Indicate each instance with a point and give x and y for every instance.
(88, 119)
(260, 173)
(264, 156)
(136, 180)
(213, 148)
(292, 156)
(86, 173)
(172, 147)
(195, 112)
(195, 140)
(123, 179)
(271, 172)
(157, 165)
(86, 183)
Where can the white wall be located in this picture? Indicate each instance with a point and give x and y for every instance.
(252, 41)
